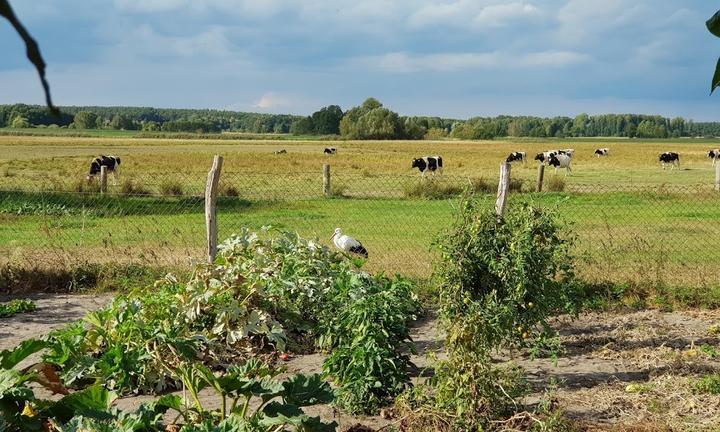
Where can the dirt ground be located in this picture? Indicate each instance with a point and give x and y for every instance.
(619, 369)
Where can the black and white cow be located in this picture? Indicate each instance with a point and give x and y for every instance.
(670, 158)
(516, 156)
(602, 152)
(428, 163)
(544, 157)
(111, 162)
(714, 154)
(281, 151)
(330, 150)
(561, 160)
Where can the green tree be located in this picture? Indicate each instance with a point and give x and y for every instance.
(122, 122)
(85, 120)
(303, 126)
(150, 126)
(326, 121)
(19, 123)
(371, 121)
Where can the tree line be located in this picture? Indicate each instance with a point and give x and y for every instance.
(370, 120)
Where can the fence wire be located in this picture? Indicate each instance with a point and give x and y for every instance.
(663, 234)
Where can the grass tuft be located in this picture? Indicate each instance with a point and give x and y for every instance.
(171, 188)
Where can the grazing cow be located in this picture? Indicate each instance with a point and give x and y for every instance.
(330, 150)
(714, 154)
(544, 157)
(428, 163)
(561, 161)
(111, 162)
(602, 152)
(281, 151)
(516, 156)
(670, 158)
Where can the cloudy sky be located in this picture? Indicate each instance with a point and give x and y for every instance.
(449, 58)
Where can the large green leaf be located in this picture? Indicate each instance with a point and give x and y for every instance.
(10, 358)
(313, 424)
(713, 24)
(9, 378)
(302, 390)
(92, 402)
(716, 78)
(32, 51)
(282, 414)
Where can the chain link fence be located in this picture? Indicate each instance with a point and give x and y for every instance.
(659, 235)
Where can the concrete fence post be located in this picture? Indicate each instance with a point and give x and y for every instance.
(211, 190)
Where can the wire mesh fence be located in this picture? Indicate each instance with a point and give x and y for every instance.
(658, 235)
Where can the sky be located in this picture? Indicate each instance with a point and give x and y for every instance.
(454, 59)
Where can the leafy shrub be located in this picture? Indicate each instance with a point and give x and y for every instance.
(499, 282)
(554, 184)
(16, 307)
(171, 188)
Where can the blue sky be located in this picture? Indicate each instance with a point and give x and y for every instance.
(449, 58)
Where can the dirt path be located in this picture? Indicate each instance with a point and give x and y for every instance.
(664, 352)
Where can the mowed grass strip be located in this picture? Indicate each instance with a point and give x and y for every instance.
(622, 237)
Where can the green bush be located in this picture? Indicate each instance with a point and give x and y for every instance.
(499, 280)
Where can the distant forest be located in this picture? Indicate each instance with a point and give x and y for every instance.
(371, 120)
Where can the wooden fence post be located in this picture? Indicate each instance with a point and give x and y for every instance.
(103, 179)
(717, 175)
(327, 189)
(503, 188)
(211, 190)
(540, 177)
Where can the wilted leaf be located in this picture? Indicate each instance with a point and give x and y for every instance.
(47, 377)
(32, 51)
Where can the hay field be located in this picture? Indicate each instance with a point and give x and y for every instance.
(25, 159)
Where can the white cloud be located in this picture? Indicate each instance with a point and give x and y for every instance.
(144, 40)
(401, 62)
(271, 100)
(151, 6)
(503, 14)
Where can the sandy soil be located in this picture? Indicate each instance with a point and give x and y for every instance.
(604, 353)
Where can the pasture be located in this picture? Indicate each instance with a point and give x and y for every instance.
(25, 159)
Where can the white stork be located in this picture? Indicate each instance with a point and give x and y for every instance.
(348, 244)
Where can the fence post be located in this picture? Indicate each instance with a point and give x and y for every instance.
(540, 177)
(211, 190)
(327, 190)
(503, 188)
(717, 175)
(103, 179)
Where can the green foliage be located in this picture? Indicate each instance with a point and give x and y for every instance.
(171, 188)
(85, 120)
(371, 121)
(431, 189)
(554, 184)
(500, 279)
(370, 340)
(709, 384)
(16, 307)
(19, 122)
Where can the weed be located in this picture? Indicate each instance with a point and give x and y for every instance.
(554, 184)
(228, 190)
(431, 189)
(16, 307)
(708, 384)
(131, 187)
(171, 188)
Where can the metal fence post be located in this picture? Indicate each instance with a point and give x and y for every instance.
(503, 188)
(103, 179)
(717, 175)
(211, 190)
(540, 177)
(327, 189)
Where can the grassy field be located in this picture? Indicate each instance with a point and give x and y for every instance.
(659, 238)
(24, 160)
